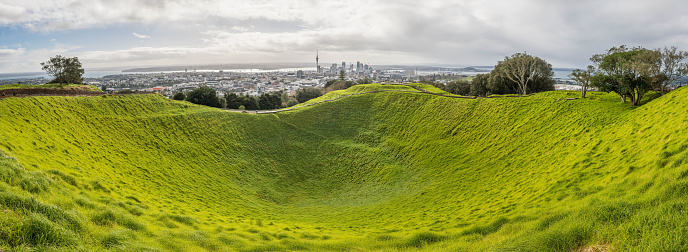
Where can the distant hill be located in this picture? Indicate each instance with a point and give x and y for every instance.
(385, 171)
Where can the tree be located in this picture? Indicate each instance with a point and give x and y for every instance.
(337, 85)
(179, 96)
(248, 102)
(269, 101)
(629, 72)
(204, 95)
(365, 80)
(292, 102)
(479, 85)
(305, 94)
(276, 100)
(672, 68)
(583, 78)
(523, 69)
(232, 100)
(65, 70)
(284, 98)
(342, 75)
(459, 87)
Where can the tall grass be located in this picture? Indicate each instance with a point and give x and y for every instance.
(387, 171)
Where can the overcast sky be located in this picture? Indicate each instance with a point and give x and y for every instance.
(107, 33)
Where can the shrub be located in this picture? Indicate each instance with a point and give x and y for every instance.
(292, 102)
(179, 96)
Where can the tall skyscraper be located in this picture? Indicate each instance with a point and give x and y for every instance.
(343, 65)
(316, 61)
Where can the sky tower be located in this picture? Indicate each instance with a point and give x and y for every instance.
(316, 61)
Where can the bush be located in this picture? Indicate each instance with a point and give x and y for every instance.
(126, 91)
(305, 94)
(179, 96)
(292, 102)
(459, 87)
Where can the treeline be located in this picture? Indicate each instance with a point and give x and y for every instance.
(207, 96)
(633, 72)
(518, 74)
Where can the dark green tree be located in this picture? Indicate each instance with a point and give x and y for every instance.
(629, 72)
(526, 73)
(305, 94)
(479, 85)
(204, 95)
(65, 70)
(249, 102)
(264, 102)
(459, 87)
(276, 100)
(292, 102)
(498, 84)
(232, 100)
(179, 96)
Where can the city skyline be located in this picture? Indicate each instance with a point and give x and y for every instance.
(130, 33)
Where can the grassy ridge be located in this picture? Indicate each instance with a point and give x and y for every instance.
(52, 85)
(384, 171)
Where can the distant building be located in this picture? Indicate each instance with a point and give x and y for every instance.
(317, 64)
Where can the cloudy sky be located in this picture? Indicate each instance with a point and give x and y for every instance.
(123, 33)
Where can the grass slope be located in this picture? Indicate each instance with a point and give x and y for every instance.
(50, 86)
(387, 171)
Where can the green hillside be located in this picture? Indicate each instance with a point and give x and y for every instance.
(385, 171)
(50, 86)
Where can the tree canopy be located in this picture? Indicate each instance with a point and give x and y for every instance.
(459, 87)
(522, 73)
(270, 101)
(671, 68)
(179, 96)
(64, 70)
(629, 72)
(583, 78)
(305, 94)
(204, 95)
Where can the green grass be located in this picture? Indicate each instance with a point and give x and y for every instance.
(386, 171)
(362, 89)
(51, 85)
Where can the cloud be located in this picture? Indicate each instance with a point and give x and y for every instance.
(7, 53)
(462, 32)
(141, 36)
(240, 28)
(12, 14)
